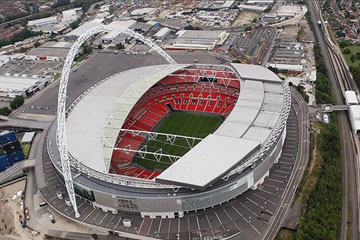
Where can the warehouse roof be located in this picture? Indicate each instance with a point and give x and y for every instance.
(84, 28)
(16, 84)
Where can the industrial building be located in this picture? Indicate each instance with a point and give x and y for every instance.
(260, 2)
(50, 51)
(199, 39)
(71, 14)
(250, 49)
(253, 8)
(43, 21)
(162, 33)
(142, 12)
(115, 35)
(11, 86)
(74, 34)
(287, 56)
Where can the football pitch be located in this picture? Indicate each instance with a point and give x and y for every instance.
(178, 123)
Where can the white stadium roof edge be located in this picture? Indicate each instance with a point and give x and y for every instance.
(99, 113)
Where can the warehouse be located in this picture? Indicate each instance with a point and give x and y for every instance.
(74, 34)
(50, 51)
(162, 34)
(143, 11)
(252, 8)
(199, 39)
(71, 14)
(19, 86)
(260, 2)
(43, 21)
(112, 36)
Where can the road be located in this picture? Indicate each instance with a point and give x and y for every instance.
(298, 170)
(340, 79)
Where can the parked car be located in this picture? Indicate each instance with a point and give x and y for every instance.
(52, 219)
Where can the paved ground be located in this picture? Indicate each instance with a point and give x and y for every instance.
(246, 217)
(100, 66)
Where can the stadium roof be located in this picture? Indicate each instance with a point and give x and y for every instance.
(255, 115)
(98, 117)
(208, 161)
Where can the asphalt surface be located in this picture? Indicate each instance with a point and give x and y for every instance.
(302, 113)
(348, 159)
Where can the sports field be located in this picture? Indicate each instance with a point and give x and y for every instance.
(178, 123)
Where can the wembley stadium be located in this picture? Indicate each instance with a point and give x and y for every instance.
(165, 140)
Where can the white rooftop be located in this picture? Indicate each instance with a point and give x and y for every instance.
(96, 116)
(350, 97)
(207, 161)
(16, 84)
(28, 137)
(255, 72)
(85, 27)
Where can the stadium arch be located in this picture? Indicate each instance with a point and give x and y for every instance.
(61, 110)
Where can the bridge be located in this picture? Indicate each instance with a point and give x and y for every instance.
(327, 108)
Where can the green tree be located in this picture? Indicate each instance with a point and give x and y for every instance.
(74, 24)
(343, 44)
(94, 236)
(352, 58)
(17, 102)
(347, 51)
(5, 111)
(100, 46)
(120, 46)
(36, 44)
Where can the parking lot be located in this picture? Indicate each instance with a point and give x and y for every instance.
(30, 68)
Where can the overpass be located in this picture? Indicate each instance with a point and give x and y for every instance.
(327, 108)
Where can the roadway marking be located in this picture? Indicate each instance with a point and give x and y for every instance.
(169, 229)
(159, 226)
(222, 225)
(212, 232)
(110, 221)
(245, 219)
(265, 199)
(148, 231)
(103, 218)
(231, 219)
(118, 222)
(88, 215)
(269, 178)
(94, 219)
(141, 225)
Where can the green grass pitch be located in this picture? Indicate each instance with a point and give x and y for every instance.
(178, 123)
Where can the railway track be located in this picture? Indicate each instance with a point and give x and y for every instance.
(349, 141)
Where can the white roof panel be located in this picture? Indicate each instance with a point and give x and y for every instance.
(256, 72)
(98, 116)
(207, 161)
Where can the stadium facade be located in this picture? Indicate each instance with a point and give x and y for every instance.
(109, 124)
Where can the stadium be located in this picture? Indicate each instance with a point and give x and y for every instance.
(166, 140)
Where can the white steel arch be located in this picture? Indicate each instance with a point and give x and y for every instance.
(61, 111)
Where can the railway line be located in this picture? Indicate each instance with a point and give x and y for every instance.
(341, 77)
